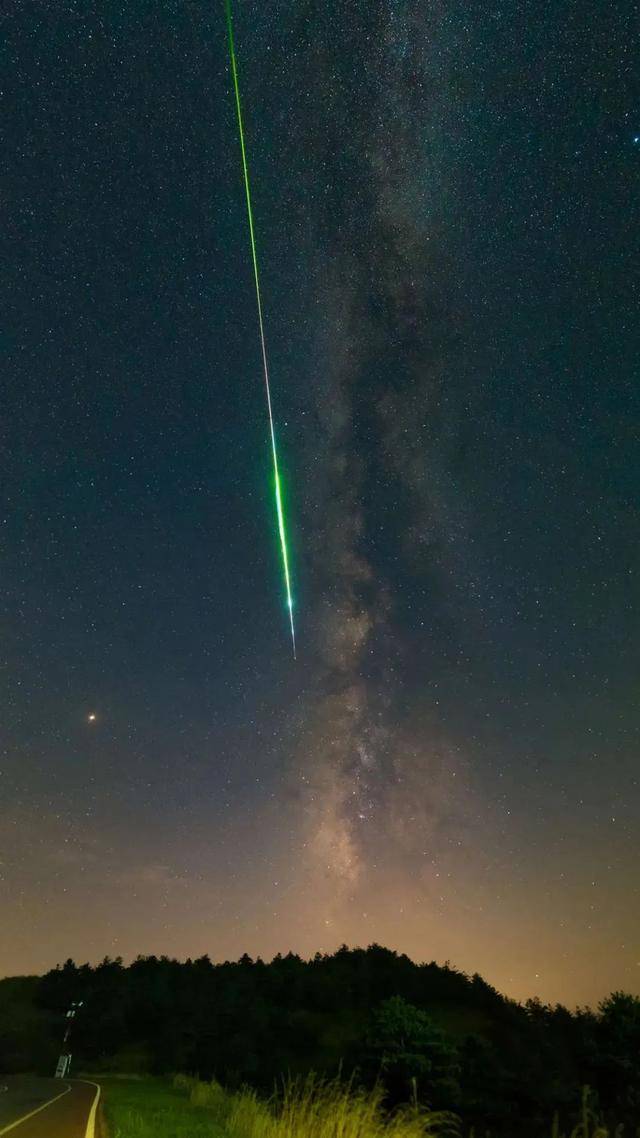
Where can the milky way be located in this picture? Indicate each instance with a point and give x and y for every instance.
(446, 204)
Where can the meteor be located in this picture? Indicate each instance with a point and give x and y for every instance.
(265, 367)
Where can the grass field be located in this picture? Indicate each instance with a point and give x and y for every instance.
(186, 1108)
(154, 1108)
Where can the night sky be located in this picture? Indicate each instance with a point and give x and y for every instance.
(446, 200)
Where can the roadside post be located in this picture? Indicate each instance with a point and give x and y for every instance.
(64, 1061)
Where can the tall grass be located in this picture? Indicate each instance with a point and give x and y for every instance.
(590, 1124)
(314, 1108)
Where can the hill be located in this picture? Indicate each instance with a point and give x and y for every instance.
(371, 1011)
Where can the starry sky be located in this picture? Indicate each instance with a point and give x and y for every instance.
(446, 201)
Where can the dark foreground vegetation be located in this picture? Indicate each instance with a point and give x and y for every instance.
(304, 1108)
(428, 1033)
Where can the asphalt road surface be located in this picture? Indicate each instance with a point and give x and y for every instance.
(47, 1108)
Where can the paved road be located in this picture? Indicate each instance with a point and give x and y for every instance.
(46, 1108)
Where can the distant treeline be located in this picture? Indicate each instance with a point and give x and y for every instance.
(424, 1028)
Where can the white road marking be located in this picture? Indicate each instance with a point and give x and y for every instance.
(31, 1113)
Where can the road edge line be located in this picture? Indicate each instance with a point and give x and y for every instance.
(31, 1113)
(91, 1121)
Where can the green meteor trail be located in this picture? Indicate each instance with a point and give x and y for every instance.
(265, 368)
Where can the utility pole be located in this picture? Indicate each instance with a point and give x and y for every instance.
(64, 1062)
